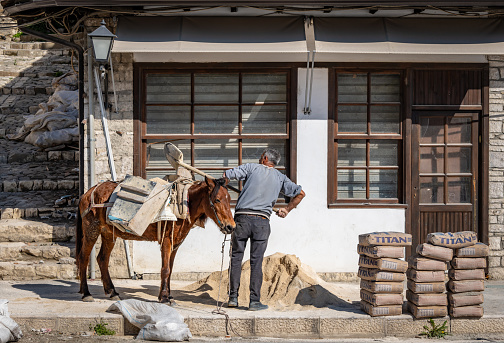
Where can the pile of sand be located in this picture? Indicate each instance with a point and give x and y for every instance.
(287, 284)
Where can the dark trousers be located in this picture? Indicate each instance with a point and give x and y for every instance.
(258, 230)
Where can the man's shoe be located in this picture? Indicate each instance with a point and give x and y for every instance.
(232, 302)
(257, 306)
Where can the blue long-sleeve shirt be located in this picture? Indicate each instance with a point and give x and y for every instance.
(262, 187)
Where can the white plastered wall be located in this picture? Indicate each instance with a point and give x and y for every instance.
(323, 238)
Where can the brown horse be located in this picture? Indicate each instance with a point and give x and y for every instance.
(207, 199)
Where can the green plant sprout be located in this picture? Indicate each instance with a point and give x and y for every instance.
(434, 331)
(100, 329)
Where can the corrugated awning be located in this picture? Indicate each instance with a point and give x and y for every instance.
(249, 35)
(408, 36)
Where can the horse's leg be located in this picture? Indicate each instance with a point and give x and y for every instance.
(108, 242)
(172, 258)
(166, 253)
(90, 232)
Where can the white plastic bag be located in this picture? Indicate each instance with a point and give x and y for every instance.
(9, 329)
(157, 322)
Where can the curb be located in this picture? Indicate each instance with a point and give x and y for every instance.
(274, 326)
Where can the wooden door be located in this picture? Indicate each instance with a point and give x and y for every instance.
(444, 172)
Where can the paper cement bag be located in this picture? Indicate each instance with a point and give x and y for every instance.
(389, 264)
(426, 275)
(381, 287)
(453, 239)
(466, 274)
(381, 299)
(465, 299)
(466, 286)
(468, 263)
(385, 238)
(426, 287)
(476, 250)
(379, 275)
(427, 311)
(432, 251)
(466, 311)
(427, 299)
(376, 311)
(423, 263)
(377, 251)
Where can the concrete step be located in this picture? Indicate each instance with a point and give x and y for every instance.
(20, 251)
(22, 230)
(33, 270)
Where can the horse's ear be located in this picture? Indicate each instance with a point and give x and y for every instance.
(210, 182)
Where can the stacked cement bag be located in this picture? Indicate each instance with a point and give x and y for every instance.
(465, 288)
(382, 272)
(426, 281)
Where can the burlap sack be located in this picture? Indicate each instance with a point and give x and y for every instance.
(466, 286)
(468, 263)
(466, 274)
(426, 299)
(432, 251)
(453, 239)
(381, 299)
(427, 311)
(465, 299)
(476, 250)
(381, 287)
(466, 311)
(378, 251)
(426, 275)
(375, 311)
(389, 264)
(428, 287)
(379, 275)
(423, 263)
(385, 238)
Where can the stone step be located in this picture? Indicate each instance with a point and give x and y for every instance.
(22, 230)
(35, 213)
(20, 104)
(38, 185)
(35, 46)
(32, 270)
(20, 251)
(33, 53)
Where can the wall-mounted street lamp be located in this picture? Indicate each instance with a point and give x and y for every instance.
(102, 40)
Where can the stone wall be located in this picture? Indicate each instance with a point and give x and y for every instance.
(496, 168)
(120, 124)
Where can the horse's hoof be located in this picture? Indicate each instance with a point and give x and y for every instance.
(115, 298)
(88, 299)
(164, 300)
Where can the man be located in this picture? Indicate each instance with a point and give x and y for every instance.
(263, 184)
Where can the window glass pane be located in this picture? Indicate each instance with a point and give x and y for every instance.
(431, 130)
(383, 152)
(253, 148)
(459, 190)
(216, 88)
(351, 152)
(431, 160)
(385, 88)
(352, 88)
(459, 159)
(168, 88)
(218, 174)
(215, 153)
(385, 119)
(216, 119)
(352, 119)
(351, 184)
(382, 184)
(432, 190)
(260, 88)
(264, 119)
(156, 157)
(459, 130)
(168, 119)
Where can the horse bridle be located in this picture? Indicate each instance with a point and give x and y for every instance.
(215, 191)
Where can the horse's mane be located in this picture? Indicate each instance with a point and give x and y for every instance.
(197, 188)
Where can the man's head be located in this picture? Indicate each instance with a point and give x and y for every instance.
(271, 156)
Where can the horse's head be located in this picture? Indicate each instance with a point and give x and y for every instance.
(220, 205)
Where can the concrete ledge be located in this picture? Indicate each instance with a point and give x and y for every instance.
(274, 326)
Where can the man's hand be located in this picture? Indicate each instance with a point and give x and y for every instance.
(282, 213)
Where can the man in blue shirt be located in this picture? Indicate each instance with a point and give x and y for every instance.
(263, 185)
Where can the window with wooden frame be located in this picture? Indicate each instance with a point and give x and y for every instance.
(219, 119)
(367, 138)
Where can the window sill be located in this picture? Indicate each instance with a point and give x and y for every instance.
(366, 205)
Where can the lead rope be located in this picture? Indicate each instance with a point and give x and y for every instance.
(219, 309)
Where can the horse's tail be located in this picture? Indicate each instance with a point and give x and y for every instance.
(78, 235)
